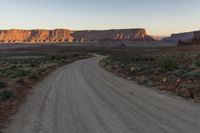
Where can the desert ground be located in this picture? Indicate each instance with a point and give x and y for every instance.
(175, 69)
(96, 89)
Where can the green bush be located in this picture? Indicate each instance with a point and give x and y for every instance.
(3, 84)
(167, 63)
(4, 95)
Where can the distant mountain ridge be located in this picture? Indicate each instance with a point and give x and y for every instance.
(186, 36)
(65, 35)
(195, 39)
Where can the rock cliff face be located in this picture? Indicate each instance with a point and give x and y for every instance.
(63, 35)
(180, 36)
(57, 35)
(196, 38)
(112, 35)
(197, 34)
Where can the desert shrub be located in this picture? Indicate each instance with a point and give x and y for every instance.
(1, 74)
(130, 59)
(197, 63)
(4, 95)
(182, 73)
(195, 74)
(3, 84)
(33, 76)
(13, 66)
(76, 55)
(20, 81)
(62, 61)
(20, 73)
(32, 64)
(166, 63)
(52, 58)
(107, 61)
(144, 81)
(140, 58)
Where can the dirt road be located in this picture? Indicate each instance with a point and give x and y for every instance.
(83, 98)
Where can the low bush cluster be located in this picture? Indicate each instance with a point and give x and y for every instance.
(167, 63)
(3, 84)
(4, 95)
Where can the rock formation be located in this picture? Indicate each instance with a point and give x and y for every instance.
(180, 36)
(157, 38)
(129, 35)
(64, 35)
(197, 35)
(196, 38)
(57, 35)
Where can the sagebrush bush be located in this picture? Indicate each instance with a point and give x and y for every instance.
(13, 66)
(167, 63)
(20, 81)
(140, 58)
(4, 95)
(3, 84)
(19, 73)
(33, 76)
(195, 74)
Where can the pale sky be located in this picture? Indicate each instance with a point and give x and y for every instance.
(159, 17)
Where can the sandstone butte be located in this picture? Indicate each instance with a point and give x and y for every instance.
(64, 35)
(187, 37)
(180, 36)
(197, 36)
(194, 40)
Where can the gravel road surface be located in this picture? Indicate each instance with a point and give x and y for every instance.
(83, 98)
